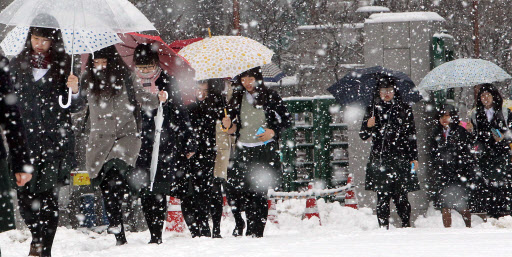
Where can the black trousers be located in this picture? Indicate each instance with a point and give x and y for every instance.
(196, 204)
(154, 208)
(402, 204)
(113, 188)
(40, 211)
(216, 203)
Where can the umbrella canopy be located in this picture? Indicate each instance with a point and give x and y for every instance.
(358, 86)
(463, 73)
(180, 44)
(272, 73)
(170, 61)
(225, 56)
(81, 43)
(117, 15)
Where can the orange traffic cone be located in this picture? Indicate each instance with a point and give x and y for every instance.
(311, 208)
(226, 209)
(272, 211)
(350, 195)
(175, 220)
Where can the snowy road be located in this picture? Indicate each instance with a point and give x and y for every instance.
(344, 232)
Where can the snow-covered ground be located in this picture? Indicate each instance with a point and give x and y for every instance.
(344, 232)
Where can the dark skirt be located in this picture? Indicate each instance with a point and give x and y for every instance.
(256, 169)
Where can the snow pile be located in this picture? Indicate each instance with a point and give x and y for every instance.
(343, 231)
(372, 9)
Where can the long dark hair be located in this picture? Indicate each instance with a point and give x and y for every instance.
(115, 73)
(497, 100)
(214, 97)
(60, 65)
(261, 96)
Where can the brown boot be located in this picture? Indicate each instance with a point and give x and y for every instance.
(466, 216)
(35, 249)
(447, 217)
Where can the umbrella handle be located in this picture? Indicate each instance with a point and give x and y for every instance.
(65, 106)
(222, 127)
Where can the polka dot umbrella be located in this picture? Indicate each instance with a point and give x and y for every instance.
(82, 42)
(463, 73)
(225, 56)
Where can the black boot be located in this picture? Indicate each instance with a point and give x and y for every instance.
(239, 227)
(155, 240)
(119, 234)
(216, 232)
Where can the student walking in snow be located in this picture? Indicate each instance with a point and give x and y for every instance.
(223, 146)
(18, 165)
(39, 75)
(176, 121)
(390, 124)
(489, 127)
(257, 165)
(114, 113)
(204, 113)
(452, 164)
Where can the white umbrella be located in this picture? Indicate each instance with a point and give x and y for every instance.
(119, 16)
(159, 120)
(75, 42)
(463, 73)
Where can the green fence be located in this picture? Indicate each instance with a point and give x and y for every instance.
(315, 148)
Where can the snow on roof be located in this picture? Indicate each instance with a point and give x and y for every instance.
(286, 81)
(332, 26)
(404, 17)
(442, 35)
(372, 9)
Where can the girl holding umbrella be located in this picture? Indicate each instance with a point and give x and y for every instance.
(390, 123)
(257, 165)
(489, 125)
(39, 75)
(176, 126)
(113, 102)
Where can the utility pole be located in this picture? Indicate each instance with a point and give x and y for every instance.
(236, 17)
(476, 32)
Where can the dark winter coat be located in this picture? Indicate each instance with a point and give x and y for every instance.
(278, 119)
(47, 126)
(203, 116)
(12, 125)
(114, 125)
(176, 127)
(492, 155)
(452, 162)
(277, 116)
(393, 147)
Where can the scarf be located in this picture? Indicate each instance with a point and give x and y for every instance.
(40, 61)
(148, 79)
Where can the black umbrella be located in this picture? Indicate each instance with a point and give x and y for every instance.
(358, 86)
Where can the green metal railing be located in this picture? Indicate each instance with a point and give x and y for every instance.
(315, 147)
